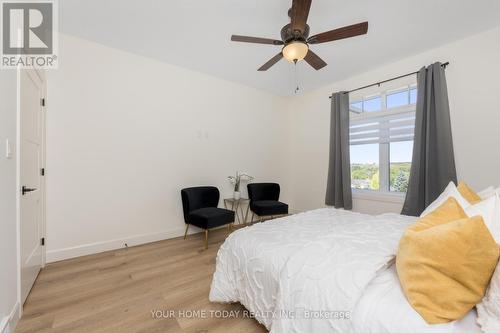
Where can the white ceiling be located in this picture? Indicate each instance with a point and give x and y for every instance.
(196, 33)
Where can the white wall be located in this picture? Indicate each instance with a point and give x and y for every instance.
(475, 113)
(126, 133)
(8, 224)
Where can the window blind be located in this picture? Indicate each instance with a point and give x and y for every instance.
(382, 129)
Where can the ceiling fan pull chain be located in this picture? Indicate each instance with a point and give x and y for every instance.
(296, 78)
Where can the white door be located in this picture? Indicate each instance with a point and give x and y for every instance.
(32, 131)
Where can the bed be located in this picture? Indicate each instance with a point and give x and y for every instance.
(325, 270)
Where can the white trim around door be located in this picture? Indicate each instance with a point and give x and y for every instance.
(31, 196)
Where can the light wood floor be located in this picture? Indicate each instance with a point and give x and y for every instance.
(115, 291)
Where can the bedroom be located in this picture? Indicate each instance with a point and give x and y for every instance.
(144, 102)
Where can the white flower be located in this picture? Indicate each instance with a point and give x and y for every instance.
(237, 180)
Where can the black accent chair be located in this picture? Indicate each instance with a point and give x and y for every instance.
(200, 209)
(264, 200)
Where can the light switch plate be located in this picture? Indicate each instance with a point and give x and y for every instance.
(8, 149)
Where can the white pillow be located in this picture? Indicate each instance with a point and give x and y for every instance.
(487, 193)
(489, 308)
(488, 311)
(450, 191)
(495, 223)
(489, 210)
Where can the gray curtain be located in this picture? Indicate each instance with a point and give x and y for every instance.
(433, 162)
(338, 187)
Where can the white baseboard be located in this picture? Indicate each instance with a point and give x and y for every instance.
(93, 248)
(296, 211)
(98, 247)
(8, 324)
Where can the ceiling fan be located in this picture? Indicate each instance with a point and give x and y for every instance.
(295, 37)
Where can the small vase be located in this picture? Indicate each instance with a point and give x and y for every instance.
(236, 195)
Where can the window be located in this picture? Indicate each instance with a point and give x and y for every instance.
(400, 164)
(413, 96)
(367, 104)
(364, 167)
(357, 107)
(397, 99)
(381, 140)
(372, 104)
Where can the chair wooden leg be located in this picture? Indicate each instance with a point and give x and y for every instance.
(246, 214)
(253, 215)
(206, 239)
(186, 233)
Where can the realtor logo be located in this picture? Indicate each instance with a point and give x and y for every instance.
(28, 34)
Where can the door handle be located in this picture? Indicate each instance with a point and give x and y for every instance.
(25, 190)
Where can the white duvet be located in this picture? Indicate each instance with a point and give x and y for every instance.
(307, 272)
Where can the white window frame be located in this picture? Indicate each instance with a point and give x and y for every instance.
(383, 193)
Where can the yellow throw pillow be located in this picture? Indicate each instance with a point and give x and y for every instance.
(445, 262)
(468, 193)
(450, 210)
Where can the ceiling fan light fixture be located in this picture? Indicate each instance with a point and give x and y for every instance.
(295, 38)
(295, 51)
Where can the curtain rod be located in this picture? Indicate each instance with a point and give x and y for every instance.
(389, 80)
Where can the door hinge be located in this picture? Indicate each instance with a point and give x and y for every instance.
(43, 101)
(42, 171)
(42, 241)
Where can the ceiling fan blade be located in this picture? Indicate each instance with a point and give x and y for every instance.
(256, 40)
(341, 33)
(271, 62)
(299, 14)
(314, 60)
